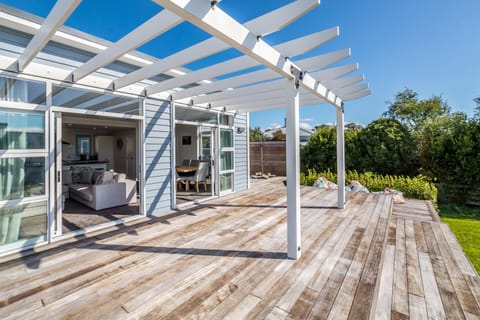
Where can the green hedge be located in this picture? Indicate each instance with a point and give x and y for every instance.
(417, 187)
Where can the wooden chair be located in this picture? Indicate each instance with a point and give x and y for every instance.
(200, 176)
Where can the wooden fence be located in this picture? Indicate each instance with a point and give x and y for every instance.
(269, 154)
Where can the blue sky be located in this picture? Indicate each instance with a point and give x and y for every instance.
(430, 46)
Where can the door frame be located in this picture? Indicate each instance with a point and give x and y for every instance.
(55, 167)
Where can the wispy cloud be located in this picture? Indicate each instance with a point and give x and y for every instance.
(274, 125)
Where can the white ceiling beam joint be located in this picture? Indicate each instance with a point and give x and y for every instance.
(158, 24)
(222, 26)
(294, 47)
(57, 16)
(263, 25)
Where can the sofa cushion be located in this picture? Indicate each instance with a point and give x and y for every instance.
(82, 175)
(83, 191)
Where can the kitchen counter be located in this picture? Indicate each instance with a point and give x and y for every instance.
(96, 164)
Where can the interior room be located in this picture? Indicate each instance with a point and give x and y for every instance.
(99, 170)
(193, 162)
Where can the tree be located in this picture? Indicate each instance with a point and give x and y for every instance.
(256, 134)
(425, 119)
(414, 113)
(279, 136)
(477, 108)
(386, 146)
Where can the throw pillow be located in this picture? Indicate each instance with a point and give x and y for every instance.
(97, 176)
(86, 177)
(76, 174)
(107, 177)
(66, 177)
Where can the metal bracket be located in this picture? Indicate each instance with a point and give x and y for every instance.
(297, 74)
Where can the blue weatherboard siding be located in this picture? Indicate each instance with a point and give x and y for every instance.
(158, 137)
(241, 163)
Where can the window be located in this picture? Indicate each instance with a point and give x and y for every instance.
(227, 160)
(23, 199)
(20, 130)
(19, 90)
(84, 145)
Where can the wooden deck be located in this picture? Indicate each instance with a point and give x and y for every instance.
(226, 260)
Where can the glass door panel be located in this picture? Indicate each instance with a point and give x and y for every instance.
(227, 163)
(206, 153)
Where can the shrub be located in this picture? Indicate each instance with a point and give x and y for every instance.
(412, 187)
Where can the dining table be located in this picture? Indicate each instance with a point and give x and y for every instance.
(185, 169)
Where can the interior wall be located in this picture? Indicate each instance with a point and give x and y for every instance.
(69, 137)
(125, 152)
(119, 145)
(185, 151)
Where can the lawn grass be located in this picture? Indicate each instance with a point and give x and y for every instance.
(465, 224)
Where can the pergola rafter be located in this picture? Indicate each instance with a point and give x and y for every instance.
(292, 48)
(57, 16)
(263, 25)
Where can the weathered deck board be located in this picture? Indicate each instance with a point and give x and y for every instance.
(226, 259)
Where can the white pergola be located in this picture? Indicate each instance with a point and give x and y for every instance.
(280, 80)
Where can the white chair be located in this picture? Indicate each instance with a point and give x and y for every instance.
(186, 162)
(194, 163)
(200, 176)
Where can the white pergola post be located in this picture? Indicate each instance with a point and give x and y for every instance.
(293, 171)
(341, 158)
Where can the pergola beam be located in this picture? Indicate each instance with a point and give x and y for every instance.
(324, 60)
(291, 48)
(57, 16)
(313, 62)
(150, 29)
(352, 89)
(358, 95)
(240, 92)
(263, 25)
(335, 73)
(343, 82)
(258, 97)
(216, 22)
(261, 75)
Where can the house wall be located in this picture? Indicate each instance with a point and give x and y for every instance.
(158, 153)
(241, 154)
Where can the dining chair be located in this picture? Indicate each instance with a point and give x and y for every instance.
(179, 180)
(194, 163)
(200, 176)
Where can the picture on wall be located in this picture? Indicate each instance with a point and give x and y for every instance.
(186, 140)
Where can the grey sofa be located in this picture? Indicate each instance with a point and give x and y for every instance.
(99, 189)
